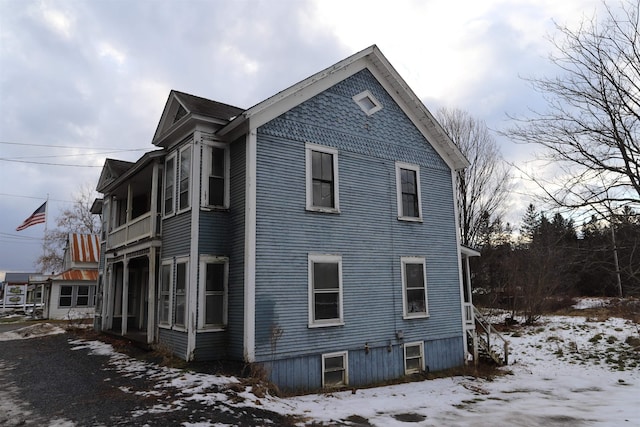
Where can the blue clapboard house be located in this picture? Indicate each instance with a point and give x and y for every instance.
(313, 234)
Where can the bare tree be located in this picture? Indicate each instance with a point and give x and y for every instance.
(74, 219)
(589, 130)
(484, 186)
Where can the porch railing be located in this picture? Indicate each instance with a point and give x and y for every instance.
(486, 335)
(136, 229)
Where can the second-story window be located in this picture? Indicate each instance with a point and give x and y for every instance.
(408, 188)
(322, 179)
(215, 180)
(169, 184)
(185, 175)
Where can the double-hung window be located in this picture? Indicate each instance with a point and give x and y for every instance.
(322, 178)
(215, 182)
(169, 185)
(408, 189)
(335, 369)
(164, 305)
(325, 290)
(413, 357)
(214, 273)
(414, 287)
(184, 178)
(181, 284)
(77, 296)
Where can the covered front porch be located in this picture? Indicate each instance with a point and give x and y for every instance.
(129, 308)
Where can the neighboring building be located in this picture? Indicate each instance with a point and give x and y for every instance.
(314, 233)
(16, 294)
(71, 294)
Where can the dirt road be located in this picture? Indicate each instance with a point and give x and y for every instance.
(50, 381)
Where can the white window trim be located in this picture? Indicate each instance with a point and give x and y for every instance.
(416, 168)
(422, 362)
(179, 178)
(345, 356)
(309, 178)
(319, 258)
(164, 186)
(210, 259)
(174, 277)
(413, 260)
(206, 168)
(169, 322)
(366, 94)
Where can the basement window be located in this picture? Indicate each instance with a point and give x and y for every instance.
(367, 102)
(335, 372)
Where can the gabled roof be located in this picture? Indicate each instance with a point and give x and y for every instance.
(17, 277)
(111, 171)
(118, 171)
(372, 59)
(84, 247)
(181, 107)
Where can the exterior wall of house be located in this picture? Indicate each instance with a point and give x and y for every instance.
(366, 233)
(235, 327)
(57, 312)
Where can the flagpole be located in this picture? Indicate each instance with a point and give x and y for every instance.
(46, 221)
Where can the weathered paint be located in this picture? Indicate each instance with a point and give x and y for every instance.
(175, 341)
(84, 248)
(366, 232)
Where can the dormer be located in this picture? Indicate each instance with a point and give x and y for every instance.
(184, 113)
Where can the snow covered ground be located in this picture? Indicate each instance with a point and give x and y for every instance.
(565, 371)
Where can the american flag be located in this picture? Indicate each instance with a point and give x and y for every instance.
(37, 217)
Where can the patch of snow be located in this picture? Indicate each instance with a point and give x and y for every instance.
(32, 331)
(584, 303)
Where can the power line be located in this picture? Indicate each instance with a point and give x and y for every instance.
(71, 146)
(36, 198)
(49, 164)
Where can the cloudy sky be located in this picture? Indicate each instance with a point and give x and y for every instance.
(84, 80)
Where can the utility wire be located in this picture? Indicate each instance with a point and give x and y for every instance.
(50, 164)
(71, 146)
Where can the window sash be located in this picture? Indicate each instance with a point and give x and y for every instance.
(325, 290)
(169, 184)
(180, 299)
(217, 177)
(76, 296)
(322, 179)
(414, 287)
(185, 175)
(408, 188)
(214, 291)
(413, 358)
(164, 306)
(335, 372)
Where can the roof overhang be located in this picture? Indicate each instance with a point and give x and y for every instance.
(372, 59)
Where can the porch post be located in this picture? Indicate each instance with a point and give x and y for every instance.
(125, 295)
(151, 304)
(107, 298)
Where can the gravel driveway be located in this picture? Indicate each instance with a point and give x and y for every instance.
(53, 381)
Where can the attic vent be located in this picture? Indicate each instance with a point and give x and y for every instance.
(367, 102)
(180, 113)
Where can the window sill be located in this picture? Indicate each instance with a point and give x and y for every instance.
(323, 210)
(410, 219)
(214, 208)
(212, 329)
(326, 325)
(416, 316)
